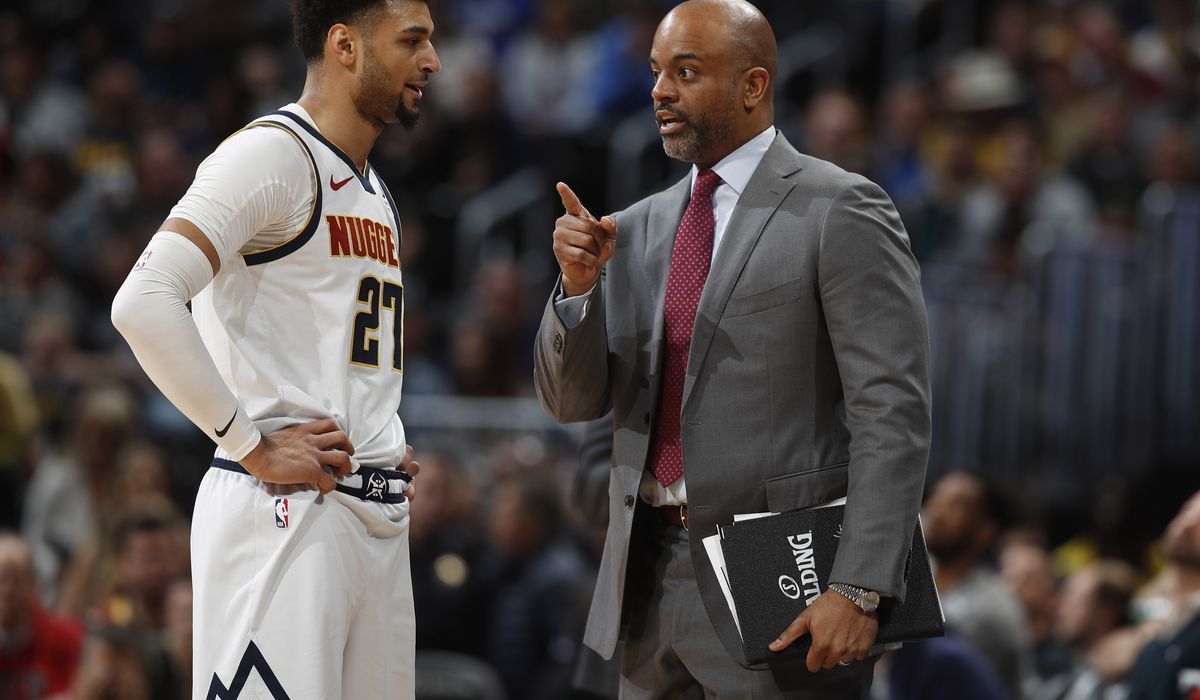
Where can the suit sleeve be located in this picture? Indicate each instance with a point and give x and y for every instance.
(570, 365)
(875, 313)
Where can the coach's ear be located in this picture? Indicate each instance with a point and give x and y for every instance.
(342, 43)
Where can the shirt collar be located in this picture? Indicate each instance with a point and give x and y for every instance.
(736, 168)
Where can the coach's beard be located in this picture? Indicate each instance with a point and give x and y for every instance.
(698, 135)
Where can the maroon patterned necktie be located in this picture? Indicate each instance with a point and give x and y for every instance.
(690, 259)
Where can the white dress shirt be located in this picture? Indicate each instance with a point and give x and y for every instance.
(735, 171)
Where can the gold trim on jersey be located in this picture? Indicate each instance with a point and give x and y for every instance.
(312, 162)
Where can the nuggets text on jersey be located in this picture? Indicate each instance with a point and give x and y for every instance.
(358, 237)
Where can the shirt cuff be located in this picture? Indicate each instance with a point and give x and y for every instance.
(571, 310)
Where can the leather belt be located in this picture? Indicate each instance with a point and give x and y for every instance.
(674, 515)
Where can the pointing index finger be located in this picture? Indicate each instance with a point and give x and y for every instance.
(571, 202)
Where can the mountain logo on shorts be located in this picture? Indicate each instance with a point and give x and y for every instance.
(252, 660)
(281, 512)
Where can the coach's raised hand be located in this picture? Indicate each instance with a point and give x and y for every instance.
(581, 244)
(300, 455)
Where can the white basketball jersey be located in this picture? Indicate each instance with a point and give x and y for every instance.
(313, 328)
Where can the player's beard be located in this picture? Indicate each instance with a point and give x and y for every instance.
(377, 100)
(702, 133)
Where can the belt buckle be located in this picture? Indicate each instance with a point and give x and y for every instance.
(374, 486)
(683, 516)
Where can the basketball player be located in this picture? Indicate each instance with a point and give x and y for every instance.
(287, 245)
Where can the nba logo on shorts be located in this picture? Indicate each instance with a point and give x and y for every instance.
(281, 512)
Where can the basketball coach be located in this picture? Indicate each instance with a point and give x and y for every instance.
(759, 333)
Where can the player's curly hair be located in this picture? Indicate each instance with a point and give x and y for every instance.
(311, 20)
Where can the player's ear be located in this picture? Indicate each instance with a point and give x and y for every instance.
(341, 44)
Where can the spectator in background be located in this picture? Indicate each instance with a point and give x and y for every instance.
(164, 171)
(1011, 37)
(1171, 170)
(547, 71)
(622, 45)
(447, 549)
(942, 668)
(1027, 570)
(496, 20)
(141, 493)
(835, 130)
(41, 111)
(1093, 603)
(1173, 158)
(72, 487)
(38, 652)
(177, 631)
(974, 91)
(539, 583)
(120, 663)
(1020, 209)
(901, 166)
(1169, 666)
(963, 517)
(56, 367)
(482, 361)
(151, 553)
(106, 149)
(1106, 163)
(1103, 57)
(1160, 49)
(18, 425)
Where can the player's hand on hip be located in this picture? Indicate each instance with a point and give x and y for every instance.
(412, 467)
(311, 453)
(841, 632)
(582, 244)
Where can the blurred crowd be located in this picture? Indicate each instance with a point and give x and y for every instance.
(1043, 155)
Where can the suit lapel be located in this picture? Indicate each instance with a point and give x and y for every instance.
(666, 210)
(763, 195)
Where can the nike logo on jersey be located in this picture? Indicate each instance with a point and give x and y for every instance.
(222, 431)
(339, 185)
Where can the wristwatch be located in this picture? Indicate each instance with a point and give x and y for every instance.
(867, 601)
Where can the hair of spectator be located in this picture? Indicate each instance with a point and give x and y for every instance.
(140, 523)
(311, 20)
(994, 503)
(1115, 584)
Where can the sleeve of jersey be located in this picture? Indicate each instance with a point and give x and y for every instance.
(255, 191)
(150, 310)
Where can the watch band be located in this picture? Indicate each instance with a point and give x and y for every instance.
(867, 601)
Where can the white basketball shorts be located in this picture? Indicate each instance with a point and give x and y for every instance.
(299, 596)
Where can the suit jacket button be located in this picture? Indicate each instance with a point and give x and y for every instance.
(646, 419)
(558, 343)
(629, 501)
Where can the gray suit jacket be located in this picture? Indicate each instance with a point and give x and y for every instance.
(808, 377)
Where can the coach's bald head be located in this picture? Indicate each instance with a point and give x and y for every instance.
(714, 63)
(749, 34)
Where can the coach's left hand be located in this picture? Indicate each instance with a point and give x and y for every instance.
(841, 632)
(412, 467)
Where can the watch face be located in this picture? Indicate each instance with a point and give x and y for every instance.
(870, 601)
